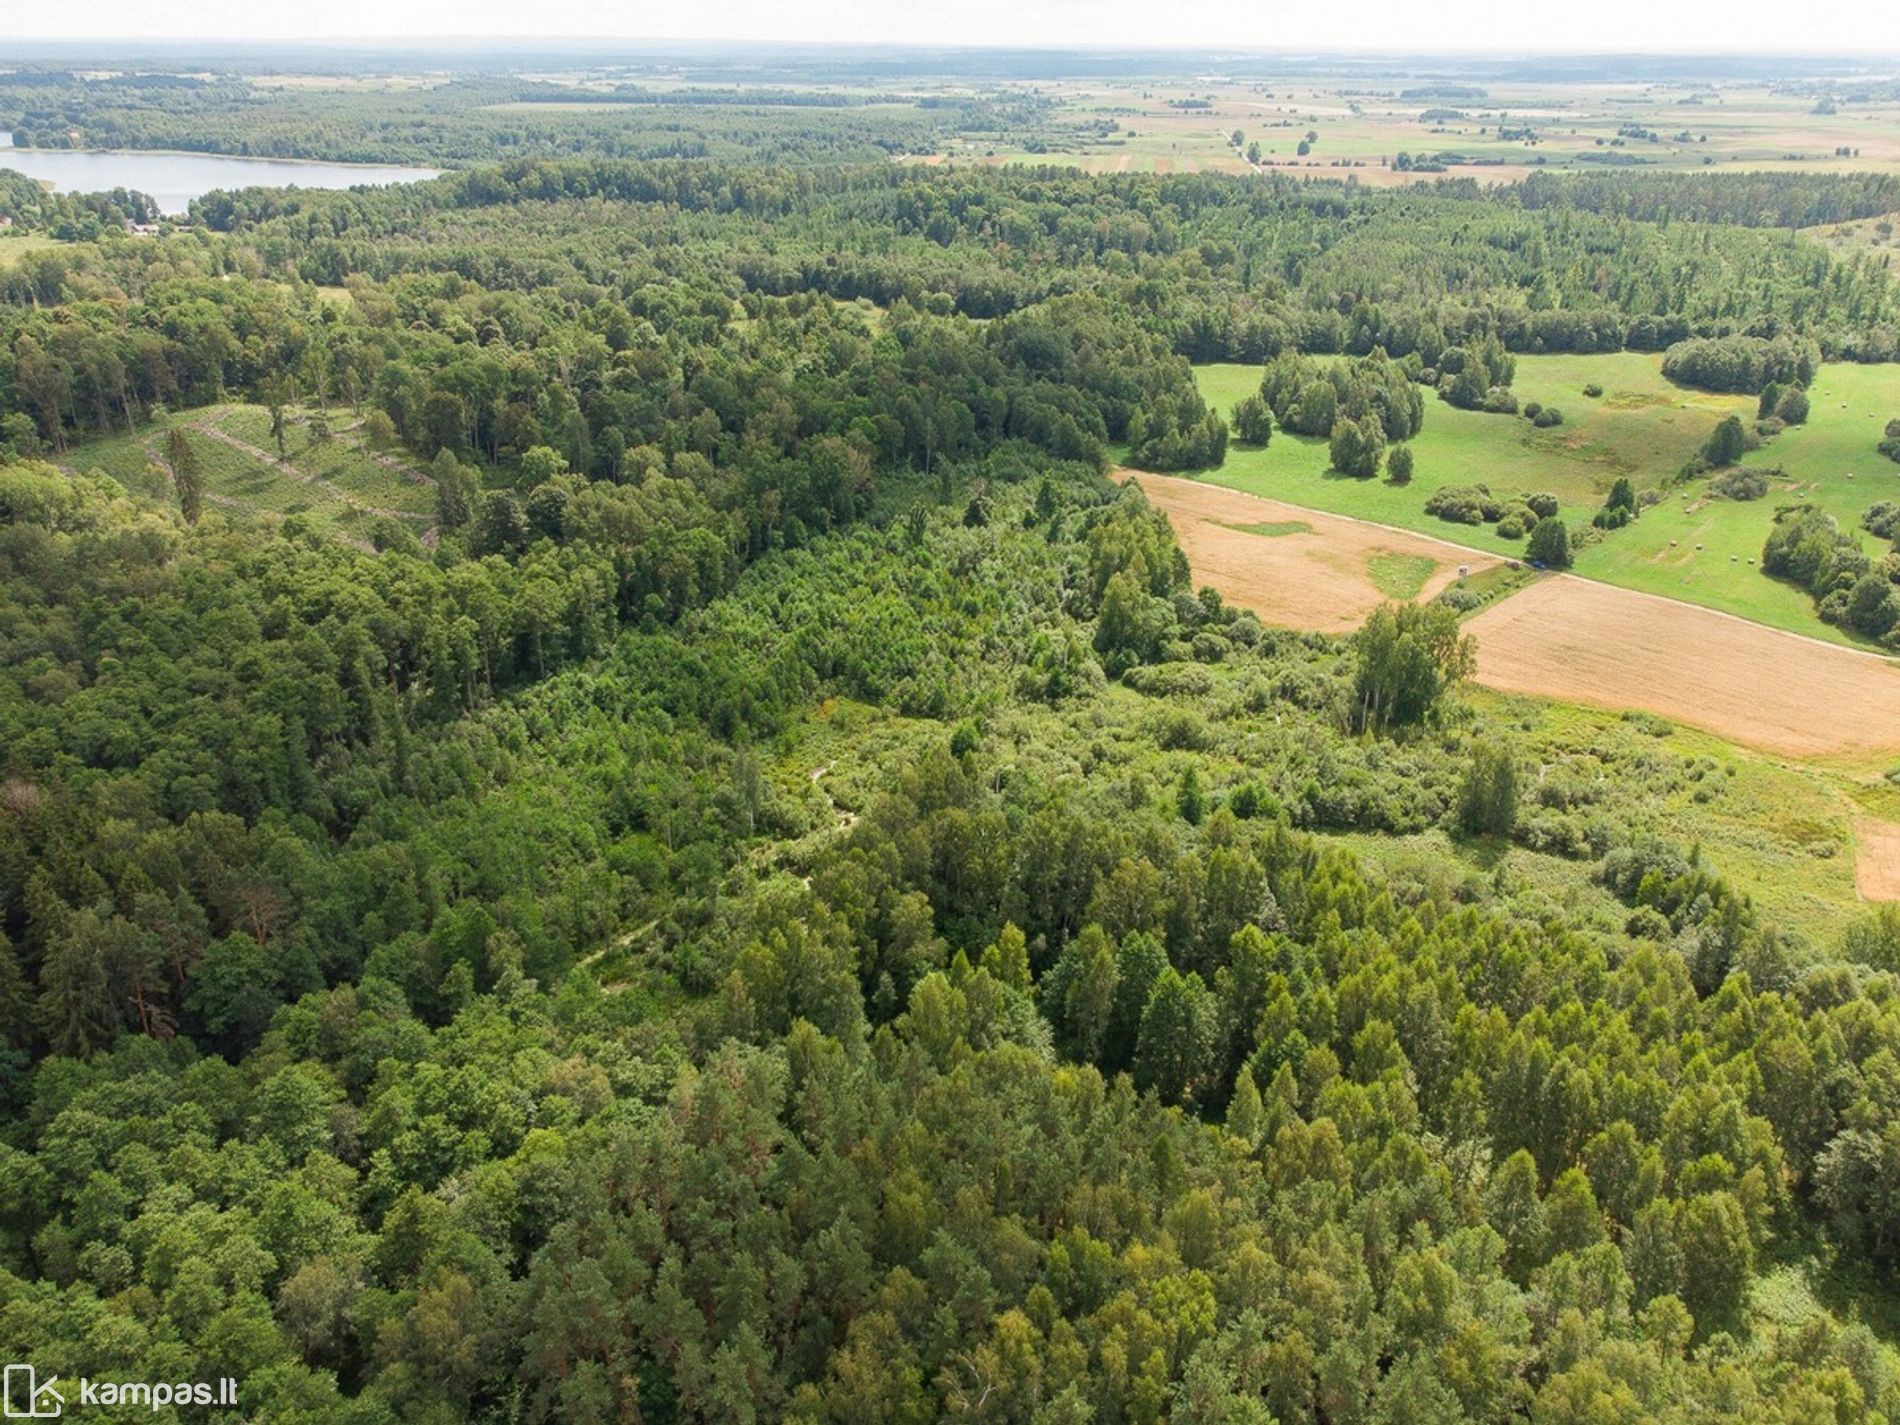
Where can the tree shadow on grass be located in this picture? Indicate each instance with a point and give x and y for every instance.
(1486, 853)
(1841, 1279)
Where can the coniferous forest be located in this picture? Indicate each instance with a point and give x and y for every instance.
(773, 895)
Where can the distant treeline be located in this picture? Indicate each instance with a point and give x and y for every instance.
(32, 207)
(1749, 200)
(1229, 269)
(472, 120)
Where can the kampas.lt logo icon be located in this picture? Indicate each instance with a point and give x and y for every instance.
(30, 1398)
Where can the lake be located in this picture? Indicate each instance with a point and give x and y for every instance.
(174, 179)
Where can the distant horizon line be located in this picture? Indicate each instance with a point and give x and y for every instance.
(105, 43)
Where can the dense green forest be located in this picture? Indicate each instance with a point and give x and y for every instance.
(786, 903)
(473, 289)
(483, 118)
(380, 1033)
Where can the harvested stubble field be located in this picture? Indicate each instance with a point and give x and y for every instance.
(1296, 567)
(1596, 644)
(1877, 859)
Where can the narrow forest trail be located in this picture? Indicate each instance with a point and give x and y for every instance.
(383, 458)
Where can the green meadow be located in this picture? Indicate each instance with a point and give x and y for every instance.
(1641, 426)
(14, 246)
(1692, 545)
(1702, 548)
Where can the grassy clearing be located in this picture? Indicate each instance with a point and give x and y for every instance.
(14, 246)
(1880, 235)
(1705, 549)
(340, 487)
(343, 461)
(1781, 830)
(1400, 576)
(127, 459)
(1487, 586)
(1273, 528)
(1641, 427)
(1691, 546)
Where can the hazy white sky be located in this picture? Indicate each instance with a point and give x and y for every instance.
(1602, 26)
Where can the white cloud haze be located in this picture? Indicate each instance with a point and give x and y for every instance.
(1603, 26)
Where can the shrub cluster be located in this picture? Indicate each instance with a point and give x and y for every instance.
(1741, 363)
(1807, 547)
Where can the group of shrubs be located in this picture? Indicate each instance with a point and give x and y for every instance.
(1890, 445)
(1851, 589)
(1516, 516)
(1740, 484)
(1620, 507)
(1780, 406)
(1882, 520)
(1742, 364)
(1475, 377)
(1361, 406)
(1309, 397)
(1475, 504)
(1177, 431)
(1368, 404)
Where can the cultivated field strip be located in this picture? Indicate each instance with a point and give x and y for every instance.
(1585, 642)
(1317, 578)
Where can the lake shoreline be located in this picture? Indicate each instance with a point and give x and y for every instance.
(10, 147)
(175, 178)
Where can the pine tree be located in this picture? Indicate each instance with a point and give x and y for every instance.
(1008, 959)
(16, 999)
(187, 474)
(1190, 800)
(76, 1012)
(1246, 1116)
(1088, 998)
(1173, 1050)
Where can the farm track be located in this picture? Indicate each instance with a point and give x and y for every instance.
(387, 461)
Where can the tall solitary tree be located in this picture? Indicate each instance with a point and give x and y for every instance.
(1549, 543)
(276, 401)
(1487, 797)
(1725, 444)
(1409, 656)
(187, 474)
